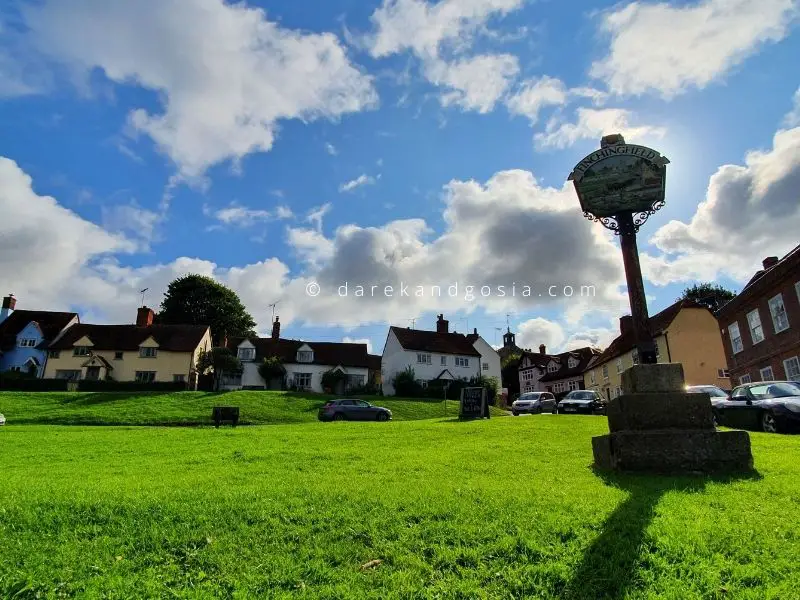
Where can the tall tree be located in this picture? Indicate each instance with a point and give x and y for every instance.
(200, 300)
(712, 295)
(221, 361)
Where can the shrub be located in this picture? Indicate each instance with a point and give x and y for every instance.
(406, 385)
(271, 368)
(87, 385)
(28, 384)
(330, 379)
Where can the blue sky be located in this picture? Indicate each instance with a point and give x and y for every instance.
(198, 136)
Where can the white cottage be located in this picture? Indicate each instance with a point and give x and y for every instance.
(436, 355)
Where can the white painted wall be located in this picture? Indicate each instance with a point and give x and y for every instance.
(488, 355)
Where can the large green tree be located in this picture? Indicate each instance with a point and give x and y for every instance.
(712, 295)
(200, 300)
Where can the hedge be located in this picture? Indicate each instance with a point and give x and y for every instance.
(63, 385)
(33, 385)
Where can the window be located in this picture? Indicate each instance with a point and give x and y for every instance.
(617, 391)
(619, 365)
(485, 366)
(573, 385)
(302, 380)
(592, 377)
(65, 374)
(179, 378)
(572, 363)
(658, 354)
(81, 351)
(145, 376)
(797, 290)
(462, 362)
(745, 379)
(424, 359)
(27, 343)
(247, 353)
(792, 368)
(54, 354)
(754, 321)
(723, 373)
(118, 355)
(16, 369)
(552, 367)
(766, 374)
(145, 352)
(635, 356)
(444, 360)
(736, 337)
(605, 371)
(778, 311)
(305, 356)
(422, 383)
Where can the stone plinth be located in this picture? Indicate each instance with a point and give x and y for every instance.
(656, 427)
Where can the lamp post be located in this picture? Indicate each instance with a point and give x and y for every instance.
(621, 185)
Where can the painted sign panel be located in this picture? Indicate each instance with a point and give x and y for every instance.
(473, 403)
(620, 178)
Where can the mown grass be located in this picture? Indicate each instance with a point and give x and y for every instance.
(189, 408)
(505, 508)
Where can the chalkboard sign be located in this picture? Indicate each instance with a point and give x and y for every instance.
(473, 403)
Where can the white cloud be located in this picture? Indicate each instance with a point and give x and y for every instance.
(283, 212)
(534, 332)
(792, 119)
(476, 83)
(593, 124)
(311, 246)
(670, 48)
(316, 214)
(536, 94)
(331, 149)
(368, 342)
(133, 220)
(358, 182)
(224, 73)
(237, 215)
(751, 211)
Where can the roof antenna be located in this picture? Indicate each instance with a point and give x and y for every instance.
(142, 292)
(272, 306)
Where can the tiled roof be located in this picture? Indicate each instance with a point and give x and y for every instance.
(51, 323)
(325, 353)
(583, 355)
(658, 324)
(170, 338)
(538, 360)
(435, 342)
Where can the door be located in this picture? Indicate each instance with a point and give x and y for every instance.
(366, 412)
(736, 412)
(549, 402)
(92, 373)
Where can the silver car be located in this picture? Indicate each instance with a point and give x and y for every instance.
(534, 403)
(2, 420)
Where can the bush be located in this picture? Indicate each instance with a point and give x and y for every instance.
(86, 385)
(406, 385)
(369, 389)
(271, 368)
(26, 384)
(330, 379)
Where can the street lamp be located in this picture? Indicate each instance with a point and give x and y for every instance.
(621, 185)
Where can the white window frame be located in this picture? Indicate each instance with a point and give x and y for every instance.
(723, 374)
(605, 371)
(444, 361)
(745, 379)
(462, 362)
(423, 359)
(635, 355)
(298, 377)
(246, 354)
(736, 347)
(619, 365)
(786, 363)
(592, 378)
(81, 351)
(552, 367)
(179, 378)
(572, 385)
(147, 352)
(305, 356)
(145, 376)
(27, 343)
(774, 302)
(485, 366)
(771, 376)
(572, 363)
(54, 354)
(755, 327)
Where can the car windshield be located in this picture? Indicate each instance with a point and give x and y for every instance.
(710, 390)
(579, 396)
(529, 397)
(775, 390)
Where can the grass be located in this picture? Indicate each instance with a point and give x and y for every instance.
(189, 408)
(505, 508)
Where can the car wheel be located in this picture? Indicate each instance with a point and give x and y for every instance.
(382, 417)
(339, 417)
(715, 419)
(516, 414)
(768, 423)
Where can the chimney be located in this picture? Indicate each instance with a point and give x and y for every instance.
(475, 331)
(144, 317)
(276, 329)
(9, 302)
(542, 349)
(768, 262)
(442, 326)
(625, 324)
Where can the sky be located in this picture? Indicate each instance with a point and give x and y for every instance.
(288, 148)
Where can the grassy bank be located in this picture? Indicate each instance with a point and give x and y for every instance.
(505, 508)
(188, 408)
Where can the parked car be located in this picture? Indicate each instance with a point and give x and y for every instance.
(712, 390)
(534, 403)
(353, 410)
(769, 406)
(586, 402)
(2, 419)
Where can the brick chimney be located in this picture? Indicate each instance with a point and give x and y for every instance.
(442, 326)
(9, 303)
(625, 324)
(474, 331)
(276, 329)
(144, 317)
(769, 262)
(542, 349)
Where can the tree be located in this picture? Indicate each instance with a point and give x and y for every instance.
(200, 300)
(271, 368)
(218, 360)
(708, 294)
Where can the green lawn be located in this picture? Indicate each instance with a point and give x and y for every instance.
(505, 508)
(189, 408)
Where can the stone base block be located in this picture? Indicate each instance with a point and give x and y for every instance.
(674, 451)
(646, 379)
(671, 410)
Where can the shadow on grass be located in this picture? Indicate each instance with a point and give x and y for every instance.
(608, 569)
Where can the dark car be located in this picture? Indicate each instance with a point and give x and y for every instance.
(353, 410)
(534, 403)
(585, 402)
(769, 406)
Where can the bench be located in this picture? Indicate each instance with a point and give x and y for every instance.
(222, 414)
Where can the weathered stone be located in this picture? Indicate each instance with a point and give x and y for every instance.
(674, 451)
(671, 410)
(661, 377)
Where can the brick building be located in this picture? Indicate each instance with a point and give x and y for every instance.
(761, 326)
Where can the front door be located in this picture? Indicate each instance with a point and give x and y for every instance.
(92, 373)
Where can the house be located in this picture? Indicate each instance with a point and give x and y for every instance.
(303, 363)
(142, 352)
(761, 326)
(374, 365)
(436, 355)
(543, 372)
(685, 332)
(25, 334)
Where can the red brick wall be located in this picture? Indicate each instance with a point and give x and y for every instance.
(774, 348)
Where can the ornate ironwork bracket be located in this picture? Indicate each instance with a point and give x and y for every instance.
(613, 223)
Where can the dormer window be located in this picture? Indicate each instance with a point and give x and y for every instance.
(27, 343)
(147, 352)
(305, 356)
(572, 363)
(81, 351)
(247, 354)
(552, 367)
